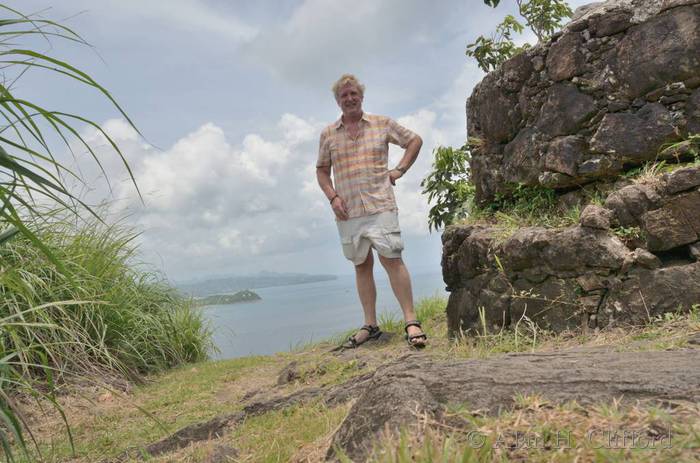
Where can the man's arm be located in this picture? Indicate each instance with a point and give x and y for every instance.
(323, 175)
(409, 157)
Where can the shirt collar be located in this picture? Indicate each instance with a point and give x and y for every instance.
(339, 122)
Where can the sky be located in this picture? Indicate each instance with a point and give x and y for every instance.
(229, 98)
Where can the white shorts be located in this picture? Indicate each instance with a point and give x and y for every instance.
(380, 231)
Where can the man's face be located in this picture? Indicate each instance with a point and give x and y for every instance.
(350, 99)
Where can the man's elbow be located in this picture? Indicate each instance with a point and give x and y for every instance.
(323, 173)
(418, 143)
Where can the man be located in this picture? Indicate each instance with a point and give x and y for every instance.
(356, 148)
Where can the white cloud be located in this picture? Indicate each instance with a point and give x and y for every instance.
(187, 15)
(212, 203)
(322, 39)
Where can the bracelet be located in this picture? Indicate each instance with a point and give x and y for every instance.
(400, 169)
(336, 196)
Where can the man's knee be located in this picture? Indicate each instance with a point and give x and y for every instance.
(390, 262)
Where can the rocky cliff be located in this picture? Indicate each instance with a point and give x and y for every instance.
(605, 94)
(609, 93)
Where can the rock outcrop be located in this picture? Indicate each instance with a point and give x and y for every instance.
(589, 275)
(608, 92)
(617, 88)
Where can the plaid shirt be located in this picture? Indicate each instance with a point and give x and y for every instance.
(360, 173)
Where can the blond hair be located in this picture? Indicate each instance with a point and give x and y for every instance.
(347, 79)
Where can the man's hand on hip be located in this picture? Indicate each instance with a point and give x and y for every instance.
(341, 212)
(394, 175)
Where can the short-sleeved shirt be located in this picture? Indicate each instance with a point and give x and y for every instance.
(360, 165)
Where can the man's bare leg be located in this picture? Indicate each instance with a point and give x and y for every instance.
(367, 290)
(401, 285)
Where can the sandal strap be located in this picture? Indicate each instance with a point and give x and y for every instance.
(412, 323)
(370, 329)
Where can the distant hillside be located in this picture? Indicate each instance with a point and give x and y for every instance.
(232, 284)
(223, 299)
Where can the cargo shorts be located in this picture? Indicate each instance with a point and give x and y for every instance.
(380, 231)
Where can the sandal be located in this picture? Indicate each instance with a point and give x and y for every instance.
(417, 340)
(352, 342)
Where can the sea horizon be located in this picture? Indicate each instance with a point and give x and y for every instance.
(290, 316)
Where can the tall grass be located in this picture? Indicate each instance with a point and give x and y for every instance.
(107, 317)
(70, 302)
(109, 314)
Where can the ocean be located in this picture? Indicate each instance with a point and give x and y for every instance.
(291, 316)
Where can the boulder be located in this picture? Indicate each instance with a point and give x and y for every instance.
(629, 203)
(683, 180)
(660, 50)
(596, 217)
(647, 294)
(644, 133)
(565, 110)
(674, 224)
(564, 155)
(583, 275)
(608, 93)
(693, 112)
(565, 58)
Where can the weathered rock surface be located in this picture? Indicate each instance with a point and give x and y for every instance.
(586, 275)
(609, 92)
(401, 391)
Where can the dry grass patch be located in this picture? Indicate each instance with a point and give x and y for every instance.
(538, 431)
(104, 423)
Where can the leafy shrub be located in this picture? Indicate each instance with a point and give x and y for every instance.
(542, 17)
(448, 185)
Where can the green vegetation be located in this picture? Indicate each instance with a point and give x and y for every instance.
(685, 153)
(75, 306)
(108, 320)
(542, 17)
(108, 315)
(224, 299)
(628, 233)
(28, 168)
(525, 206)
(448, 186)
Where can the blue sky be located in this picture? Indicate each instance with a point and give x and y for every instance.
(231, 96)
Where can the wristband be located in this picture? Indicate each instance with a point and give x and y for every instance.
(400, 169)
(336, 196)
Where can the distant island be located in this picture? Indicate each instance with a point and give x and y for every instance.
(223, 299)
(230, 284)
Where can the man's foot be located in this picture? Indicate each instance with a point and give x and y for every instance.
(366, 333)
(415, 335)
